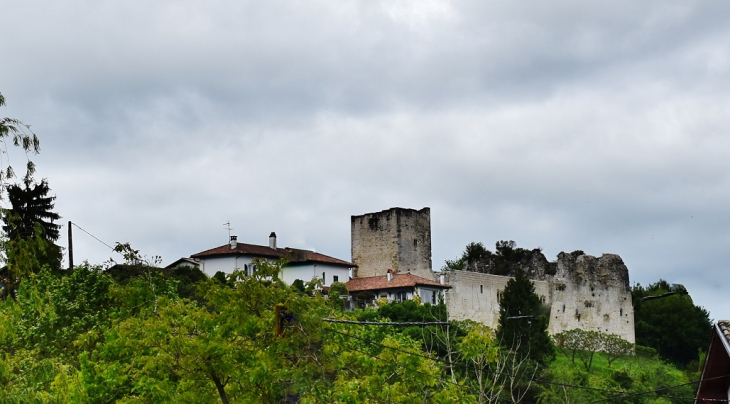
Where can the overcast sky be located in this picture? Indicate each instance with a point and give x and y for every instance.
(564, 124)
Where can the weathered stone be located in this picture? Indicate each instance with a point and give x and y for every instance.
(397, 239)
(581, 290)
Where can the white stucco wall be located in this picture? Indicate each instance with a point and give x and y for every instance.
(588, 305)
(227, 264)
(474, 295)
(310, 271)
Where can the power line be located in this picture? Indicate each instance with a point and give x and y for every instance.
(395, 324)
(97, 239)
(621, 394)
(439, 378)
(645, 393)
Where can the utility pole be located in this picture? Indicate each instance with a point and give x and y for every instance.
(70, 248)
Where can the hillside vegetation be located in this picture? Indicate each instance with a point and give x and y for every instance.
(84, 336)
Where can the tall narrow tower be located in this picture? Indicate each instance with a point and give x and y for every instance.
(397, 238)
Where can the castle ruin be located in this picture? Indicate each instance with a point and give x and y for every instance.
(581, 290)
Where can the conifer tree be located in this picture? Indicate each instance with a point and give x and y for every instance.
(526, 334)
(31, 205)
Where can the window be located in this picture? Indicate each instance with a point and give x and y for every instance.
(323, 278)
(433, 297)
(335, 278)
(402, 296)
(481, 288)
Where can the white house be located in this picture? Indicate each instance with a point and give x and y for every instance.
(301, 264)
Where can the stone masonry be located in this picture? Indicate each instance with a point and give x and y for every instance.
(397, 239)
(582, 291)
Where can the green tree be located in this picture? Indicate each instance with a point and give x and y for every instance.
(21, 136)
(672, 325)
(527, 335)
(580, 344)
(31, 205)
(473, 252)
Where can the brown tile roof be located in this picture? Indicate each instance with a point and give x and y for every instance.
(292, 255)
(398, 281)
(241, 249)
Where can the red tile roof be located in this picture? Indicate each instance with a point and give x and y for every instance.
(398, 281)
(292, 255)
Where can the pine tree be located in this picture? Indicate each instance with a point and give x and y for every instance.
(527, 335)
(31, 205)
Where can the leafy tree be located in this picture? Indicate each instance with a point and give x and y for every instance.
(580, 344)
(21, 136)
(672, 325)
(505, 261)
(31, 205)
(25, 256)
(298, 285)
(527, 336)
(56, 310)
(188, 278)
(473, 252)
(338, 289)
(615, 347)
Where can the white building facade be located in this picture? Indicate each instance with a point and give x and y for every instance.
(300, 264)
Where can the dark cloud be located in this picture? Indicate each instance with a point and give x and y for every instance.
(561, 125)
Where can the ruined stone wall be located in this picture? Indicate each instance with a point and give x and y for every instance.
(397, 238)
(586, 292)
(592, 294)
(582, 291)
(475, 296)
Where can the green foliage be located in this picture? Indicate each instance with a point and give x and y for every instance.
(473, 252)
(527, 336)
(188, 278)
(631, 379)
(507, 259)
(672, 325)
(22, 137)
(338, 289)
(25, 256)
(583, 345)
(84, 337)
(55, 310)
(615, 347)
(298, 285)
(220, 277)
(31, 206)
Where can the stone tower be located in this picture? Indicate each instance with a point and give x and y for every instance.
(397, 238)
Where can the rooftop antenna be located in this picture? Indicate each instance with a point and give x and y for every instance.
(228, 226)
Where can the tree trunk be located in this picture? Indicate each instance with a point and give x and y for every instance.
(220, 386)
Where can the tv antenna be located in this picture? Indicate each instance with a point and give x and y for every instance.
(228, 226)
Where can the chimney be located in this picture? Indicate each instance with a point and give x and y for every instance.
(442, 279)
(389, 275)
(234, 242)
(272, 240)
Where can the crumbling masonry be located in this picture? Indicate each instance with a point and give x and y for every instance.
(582, 291)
